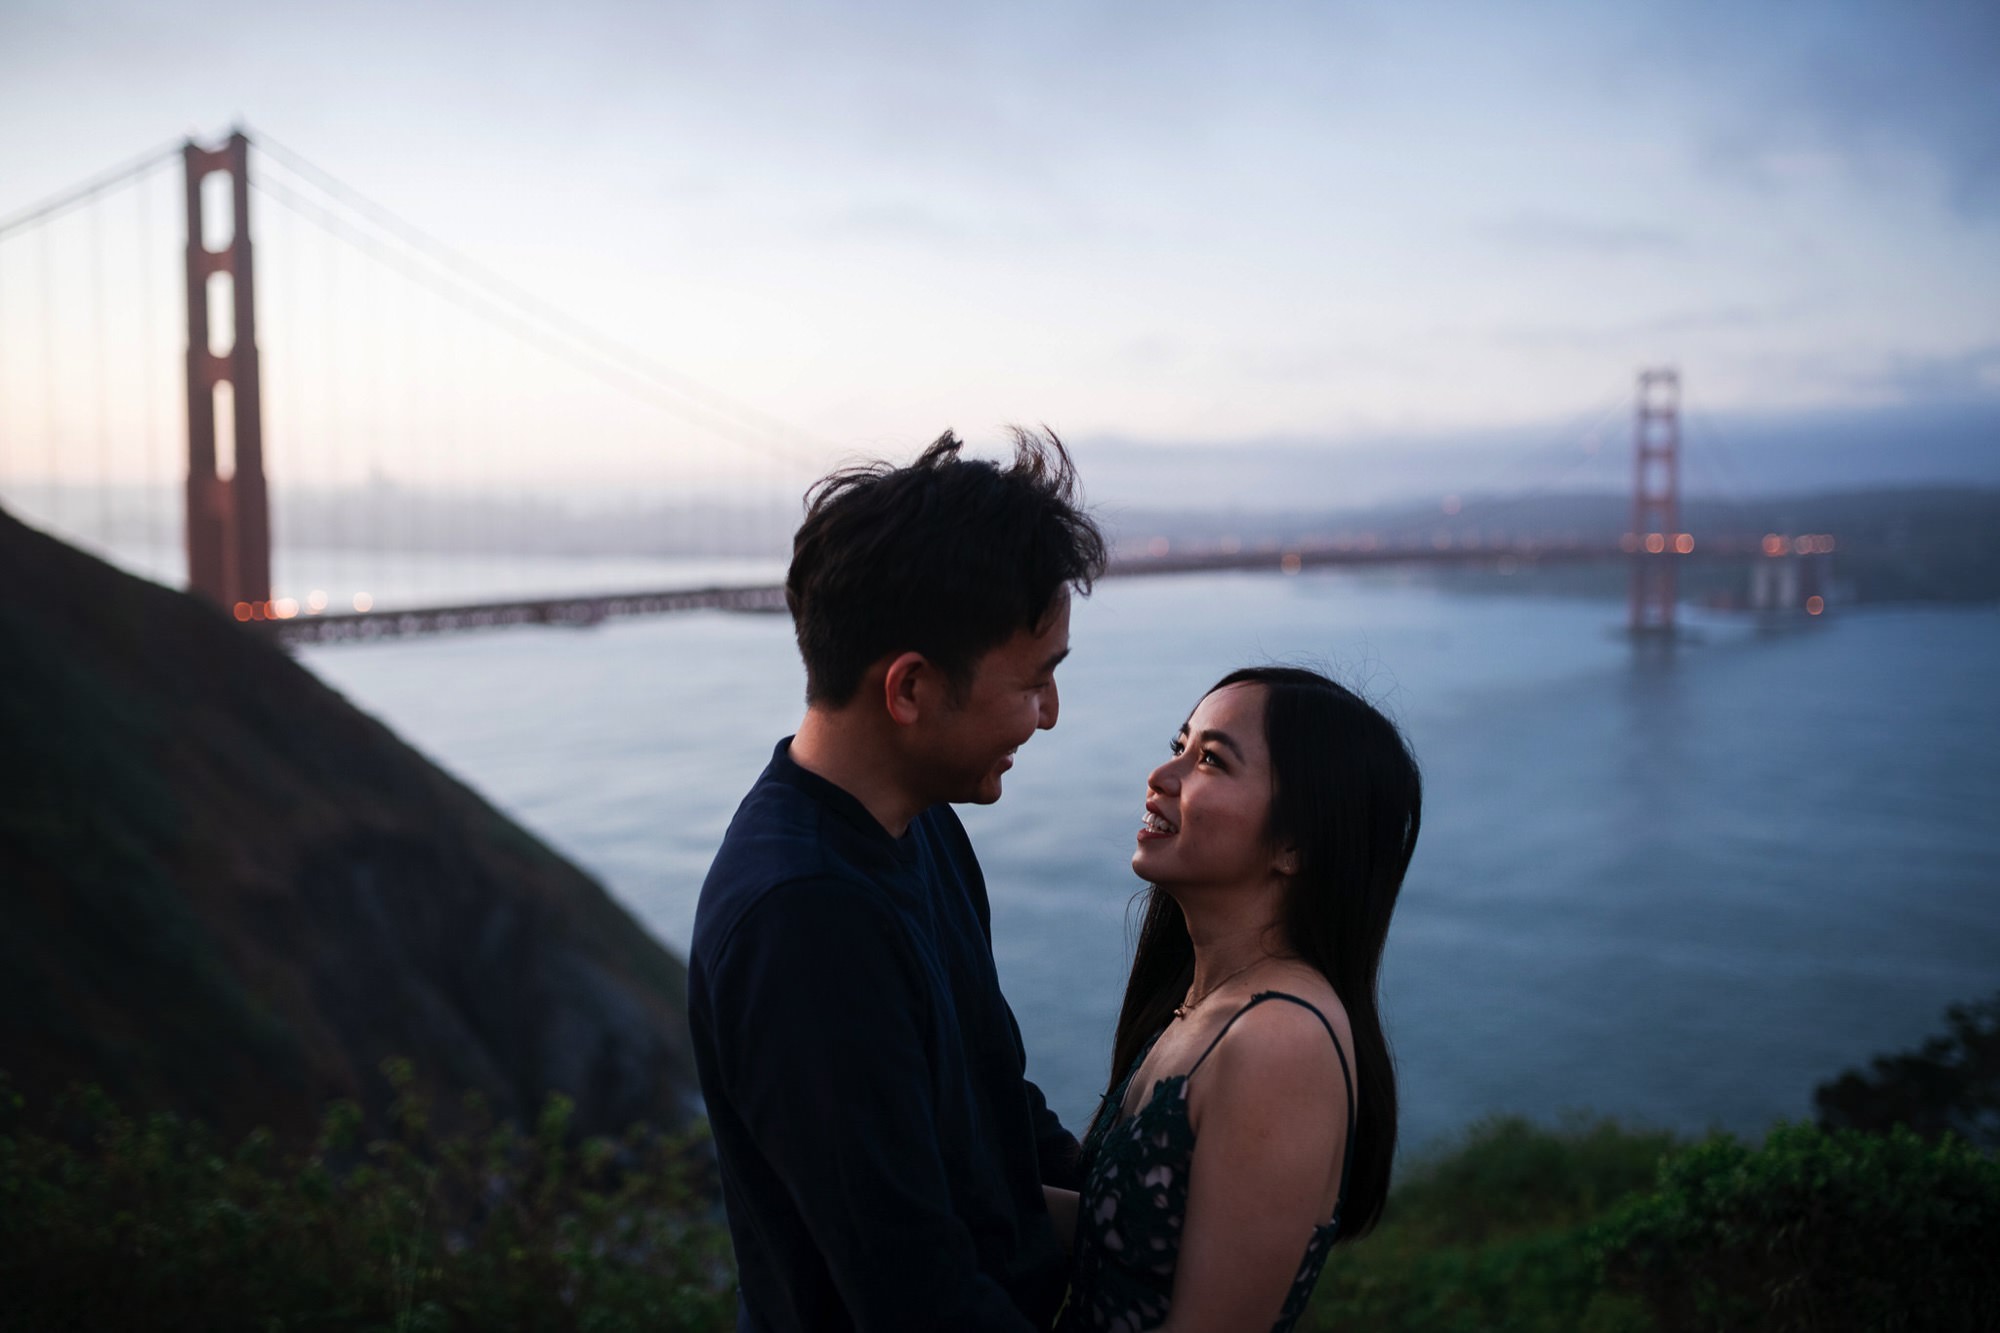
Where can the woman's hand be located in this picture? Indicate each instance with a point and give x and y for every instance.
(1062, 1212)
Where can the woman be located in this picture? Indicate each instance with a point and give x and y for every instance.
(1252, 1114)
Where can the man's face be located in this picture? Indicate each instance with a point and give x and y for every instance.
(968, 745)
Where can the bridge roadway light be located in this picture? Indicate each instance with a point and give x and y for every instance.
(1684, 543)
(1656, 542)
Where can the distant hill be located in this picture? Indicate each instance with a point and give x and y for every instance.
(1931, 543)
(226, 891)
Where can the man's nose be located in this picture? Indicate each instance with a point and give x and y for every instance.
(1051, 706)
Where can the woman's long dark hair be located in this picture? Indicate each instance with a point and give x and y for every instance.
(1347, 795)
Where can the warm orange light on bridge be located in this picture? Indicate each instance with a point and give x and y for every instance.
(1158, 546)
(1815, 605)
(243, 610)
(1656, 542)
(1684, 543)
(285, 608)
(1774, 544)
(316, 601)
(1291, 564)
(363, 602)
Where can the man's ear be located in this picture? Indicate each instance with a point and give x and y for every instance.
(904, 685)
(1287, 861)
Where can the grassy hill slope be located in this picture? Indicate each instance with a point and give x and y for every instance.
(226, 891)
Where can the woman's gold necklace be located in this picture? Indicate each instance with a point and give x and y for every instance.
(1192, 1001)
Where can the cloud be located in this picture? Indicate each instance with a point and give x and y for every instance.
(1549, 232)
(1953, 376)
(1797, 88)
(895, 222)
(1728, 318)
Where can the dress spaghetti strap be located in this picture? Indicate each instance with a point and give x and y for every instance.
(1347, 1155)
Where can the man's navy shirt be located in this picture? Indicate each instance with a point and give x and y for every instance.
(882, 1152)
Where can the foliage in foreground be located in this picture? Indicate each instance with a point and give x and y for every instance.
(1949, 1085)
(112, 1221)
(1816, 1232)
(1604, 1230)
(1492, 1234)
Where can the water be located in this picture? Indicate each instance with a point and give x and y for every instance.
(1680, 888)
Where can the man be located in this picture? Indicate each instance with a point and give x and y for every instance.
(882, 1152)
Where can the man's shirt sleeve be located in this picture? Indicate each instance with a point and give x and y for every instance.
(820, 1012)
(1056, 1149)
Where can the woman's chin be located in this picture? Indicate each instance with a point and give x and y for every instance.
(1146, 864)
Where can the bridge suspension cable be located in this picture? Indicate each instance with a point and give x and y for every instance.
(78, 195)
(485, 293)
(1487, 507)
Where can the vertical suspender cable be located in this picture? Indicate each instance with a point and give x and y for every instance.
(454, 519)
(51, 431)
(331, 414)
(98, 358)
(407, 525)
(157, 486)
(282, 420)
(6, 411)
(375, 489)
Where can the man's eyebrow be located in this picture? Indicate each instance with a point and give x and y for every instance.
(1221, 738)
(1055, 660)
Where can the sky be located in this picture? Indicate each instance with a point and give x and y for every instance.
(1321, 231)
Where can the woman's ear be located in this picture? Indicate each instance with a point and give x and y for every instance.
(1287, 861)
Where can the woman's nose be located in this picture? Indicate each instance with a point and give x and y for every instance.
(1164, 778)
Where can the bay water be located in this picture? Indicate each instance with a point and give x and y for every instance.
(1679, 886)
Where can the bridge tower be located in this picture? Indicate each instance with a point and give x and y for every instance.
(1656, 538)
(228, 511)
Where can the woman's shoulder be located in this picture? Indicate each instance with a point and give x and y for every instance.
(1292, 1039)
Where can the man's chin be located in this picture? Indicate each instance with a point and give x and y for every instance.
(987, 793)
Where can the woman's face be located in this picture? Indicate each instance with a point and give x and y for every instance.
(1208, 808)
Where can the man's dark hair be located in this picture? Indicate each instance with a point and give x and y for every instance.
(948, 557)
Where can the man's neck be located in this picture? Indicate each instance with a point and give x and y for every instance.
(842, 748)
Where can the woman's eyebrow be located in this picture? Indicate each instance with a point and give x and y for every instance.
(1220, 738)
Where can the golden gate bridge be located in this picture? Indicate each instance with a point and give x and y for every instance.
(723, 476)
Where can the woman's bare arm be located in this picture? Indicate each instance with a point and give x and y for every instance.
(1270, 1115)
(1062, 1212)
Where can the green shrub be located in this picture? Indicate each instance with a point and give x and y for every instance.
(114, 1221)
(1491, 1234)
(1949, 1085)
(1815, 1231)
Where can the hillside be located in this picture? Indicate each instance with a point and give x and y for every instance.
(227, 892)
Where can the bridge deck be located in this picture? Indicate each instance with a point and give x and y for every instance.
(590, 609)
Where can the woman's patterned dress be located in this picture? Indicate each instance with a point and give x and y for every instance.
(1134, 1198)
